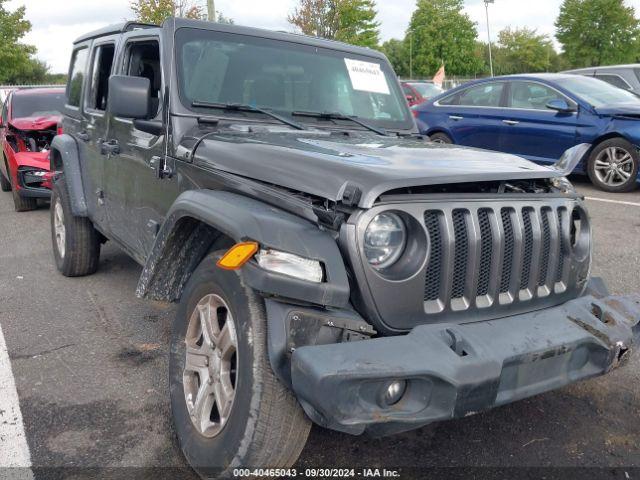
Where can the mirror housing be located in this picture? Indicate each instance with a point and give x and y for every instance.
(560, 105)
(129, 97)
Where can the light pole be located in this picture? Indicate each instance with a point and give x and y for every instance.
(410, 54)
(486, 7)
(211, 10)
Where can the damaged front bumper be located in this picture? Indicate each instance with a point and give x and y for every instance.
(455, 370)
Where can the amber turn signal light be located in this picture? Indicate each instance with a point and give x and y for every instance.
(238, 255)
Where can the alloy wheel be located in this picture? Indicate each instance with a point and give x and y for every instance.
(59, 229)
(210, 371)
(613, 166)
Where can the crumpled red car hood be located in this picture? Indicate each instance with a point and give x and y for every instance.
(33, 159)
(36, 123)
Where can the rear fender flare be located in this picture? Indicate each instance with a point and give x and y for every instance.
(66, 158)
(241, 218)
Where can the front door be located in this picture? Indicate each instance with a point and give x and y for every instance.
(531, 129)
(136, 198)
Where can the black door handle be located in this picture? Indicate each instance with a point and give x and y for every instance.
(110, 147)
(84, 136)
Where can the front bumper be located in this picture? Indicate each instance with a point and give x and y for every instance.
(455, 370)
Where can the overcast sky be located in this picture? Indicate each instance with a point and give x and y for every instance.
(57, 24)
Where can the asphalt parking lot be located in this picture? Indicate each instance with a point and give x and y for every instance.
(89, 361)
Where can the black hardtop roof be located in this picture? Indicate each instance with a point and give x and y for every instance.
(250, 31)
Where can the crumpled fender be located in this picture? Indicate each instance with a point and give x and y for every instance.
(241, 218)
(65, 157)
(571, 158)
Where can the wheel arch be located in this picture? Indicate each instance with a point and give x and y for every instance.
(200, 220)
(65, 157)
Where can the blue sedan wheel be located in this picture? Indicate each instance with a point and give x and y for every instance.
(613, 165)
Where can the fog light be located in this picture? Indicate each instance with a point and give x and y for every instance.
(394, 392)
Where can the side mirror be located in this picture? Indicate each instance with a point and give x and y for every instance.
(560, 105)
(129, 97)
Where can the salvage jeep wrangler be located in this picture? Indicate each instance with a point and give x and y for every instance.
(330, 264)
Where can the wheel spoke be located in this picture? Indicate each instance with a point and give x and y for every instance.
(601, 165)
(197, 359)
(623, 175)
(611, 153)
(608, 177)
(202, 406)
(224, 394)
(226, 341)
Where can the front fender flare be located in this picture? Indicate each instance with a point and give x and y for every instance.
(241, 218)
(65, 150)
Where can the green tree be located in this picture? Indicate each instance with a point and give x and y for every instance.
(598, 32)
(351, 21)
(357, 23)
(17, 64)
(398, 56)
(441, 33)
(157, 11)
(523, 50)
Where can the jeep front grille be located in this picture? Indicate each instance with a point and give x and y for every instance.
(482, 259)
(530, 245)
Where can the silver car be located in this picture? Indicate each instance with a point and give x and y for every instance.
(626, 77)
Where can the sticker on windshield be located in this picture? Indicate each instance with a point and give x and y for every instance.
(367, 77)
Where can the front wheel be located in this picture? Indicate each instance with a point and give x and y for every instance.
(613, 166)
(229, 409)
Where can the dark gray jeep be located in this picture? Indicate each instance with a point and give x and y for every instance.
(331, 265)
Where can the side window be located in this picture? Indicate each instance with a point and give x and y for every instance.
(143, 60)
(77, 72)
(100, 73)
(5, 111)
(485, 95)
(532, 96)
(615, 80)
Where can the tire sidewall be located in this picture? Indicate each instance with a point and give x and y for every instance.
(441, 138)
(212, 456)
(620, 143)
(59, 194)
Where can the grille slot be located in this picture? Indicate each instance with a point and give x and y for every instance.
(498, 255)
(486, 252)
(528, 249)
(461, 253)
(509, 247)
(434, 271)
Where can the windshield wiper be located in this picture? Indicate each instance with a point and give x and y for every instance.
(239, 107)
(341, 116)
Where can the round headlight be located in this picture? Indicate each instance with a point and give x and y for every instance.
(384, 240)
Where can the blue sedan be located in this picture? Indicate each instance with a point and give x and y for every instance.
(539, 117)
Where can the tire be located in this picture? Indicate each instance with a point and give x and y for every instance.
(76, 243)
(264, 427)
(5, 184)
(23, 204)
(440, 137)
(613, 166)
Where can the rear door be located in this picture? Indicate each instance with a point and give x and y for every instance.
(532, 130)
(474, 115)
(94, 129)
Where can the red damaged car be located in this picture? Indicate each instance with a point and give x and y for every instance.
(30, 120)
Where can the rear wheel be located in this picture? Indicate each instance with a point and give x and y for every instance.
(229, 409)
(440, 138)
(76, 243)
(613, 166)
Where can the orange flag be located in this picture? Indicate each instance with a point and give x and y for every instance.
(438, 79)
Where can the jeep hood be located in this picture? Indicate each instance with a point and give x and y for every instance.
(323, 164)
(36, 123)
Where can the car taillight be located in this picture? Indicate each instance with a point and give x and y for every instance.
(60, 130)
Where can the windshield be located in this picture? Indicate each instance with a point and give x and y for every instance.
(286, 77)
(597, 92)
(427, 90)
(37, 105)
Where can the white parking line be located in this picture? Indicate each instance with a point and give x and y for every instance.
(14, 450)
(619, 202)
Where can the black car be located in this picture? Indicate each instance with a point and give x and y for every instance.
(331, 265)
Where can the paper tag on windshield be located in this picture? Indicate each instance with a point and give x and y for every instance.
(367, 77)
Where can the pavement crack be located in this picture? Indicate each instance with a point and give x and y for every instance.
(24, 356)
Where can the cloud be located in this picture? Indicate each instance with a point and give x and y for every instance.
(57, 24)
